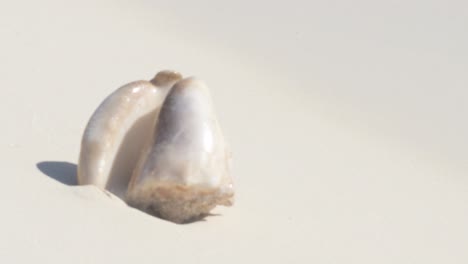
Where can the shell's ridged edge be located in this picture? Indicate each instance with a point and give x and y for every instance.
(178, 204)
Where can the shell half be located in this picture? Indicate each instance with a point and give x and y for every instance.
(118, 130)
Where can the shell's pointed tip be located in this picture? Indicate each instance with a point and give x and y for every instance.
(166, 77)
(190, 82)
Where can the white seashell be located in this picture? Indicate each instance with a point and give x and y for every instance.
(118, 130)
(185, 172)
(167, 153)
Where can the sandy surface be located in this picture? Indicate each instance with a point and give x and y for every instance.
(347, 121)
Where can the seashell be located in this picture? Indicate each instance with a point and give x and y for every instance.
(118, 130)
(160, 143)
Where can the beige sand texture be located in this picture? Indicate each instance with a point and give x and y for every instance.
(347, 121)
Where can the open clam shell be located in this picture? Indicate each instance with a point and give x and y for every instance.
(159, 146)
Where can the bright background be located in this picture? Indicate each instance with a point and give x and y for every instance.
(347, 119)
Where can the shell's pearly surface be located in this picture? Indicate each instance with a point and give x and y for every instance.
(159, 145)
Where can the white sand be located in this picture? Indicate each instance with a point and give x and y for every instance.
(347, 121)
